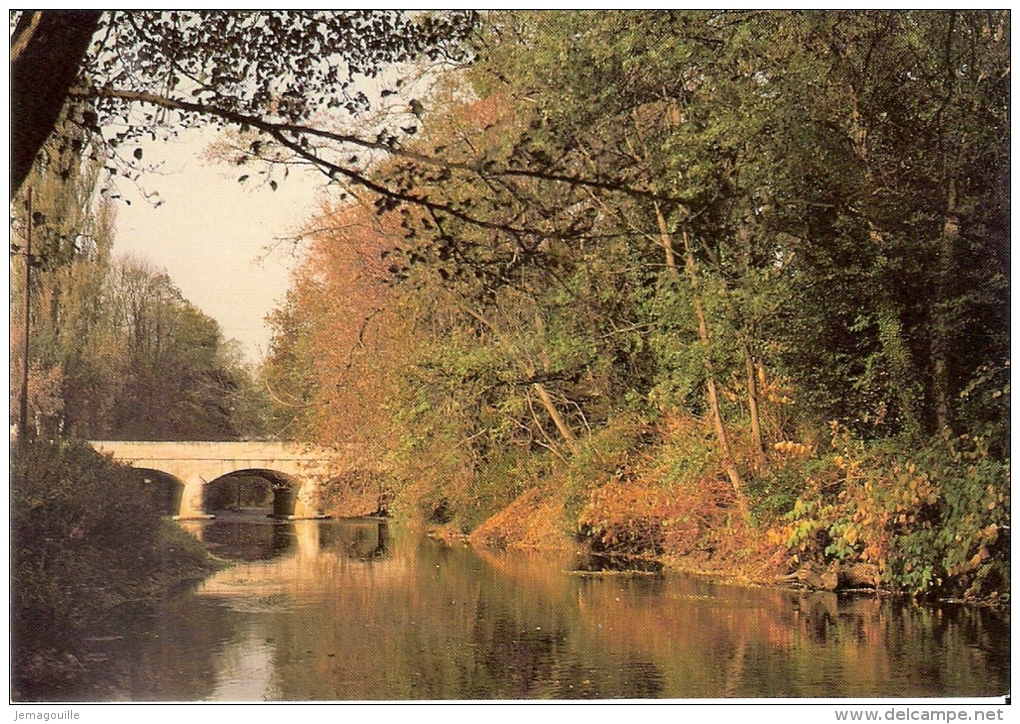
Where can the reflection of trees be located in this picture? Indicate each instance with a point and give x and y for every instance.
(357, 539)
(510, 660)
(451, 626)
(693, 638)
(427, 621)
(713, 641)
(366, 541)
(148, 656)
(431, 622)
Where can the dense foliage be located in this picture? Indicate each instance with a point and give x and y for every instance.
(775, 243)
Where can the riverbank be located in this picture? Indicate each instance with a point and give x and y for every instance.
(832, 515)
(84, 543)
(535, 523)
(744, 568)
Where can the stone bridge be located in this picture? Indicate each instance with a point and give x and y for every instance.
(293, 470)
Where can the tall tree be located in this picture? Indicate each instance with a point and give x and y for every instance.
(115, 350)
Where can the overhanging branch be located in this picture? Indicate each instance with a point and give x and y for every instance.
(287, 133)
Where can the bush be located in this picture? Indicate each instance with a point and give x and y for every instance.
(932, 519)
(774, 491)
(611, 455)
(497, 484)
(654, 500)
(85, 537)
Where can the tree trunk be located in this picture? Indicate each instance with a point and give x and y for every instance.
(47, 49)
(713, 395)
(745, 351)
(23, 414)
(667, 241)
(543, 394)
(940, 333)
(561, 424)
(752, 400)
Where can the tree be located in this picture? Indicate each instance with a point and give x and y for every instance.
(767, 233)
(179, 379)
(115, 350)
(72, 235)
(274, 71)
(598, 110)
(47, 50)
(762, 164)
(903, 106)
(338, 340)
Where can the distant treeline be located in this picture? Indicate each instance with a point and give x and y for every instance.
(116, 352)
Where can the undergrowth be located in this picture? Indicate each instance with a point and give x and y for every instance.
(930, 518)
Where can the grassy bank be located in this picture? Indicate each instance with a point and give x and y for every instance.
(930, 519)
(85, 540)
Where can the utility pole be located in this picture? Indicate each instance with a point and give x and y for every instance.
(23, 419)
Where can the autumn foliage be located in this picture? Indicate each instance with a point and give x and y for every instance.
(688, 286)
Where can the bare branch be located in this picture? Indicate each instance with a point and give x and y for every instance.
(286, 134)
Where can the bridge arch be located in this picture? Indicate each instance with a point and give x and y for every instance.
(164, 489)
(294, 470)
(249, 488)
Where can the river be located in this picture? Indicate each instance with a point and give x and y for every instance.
(365, 610)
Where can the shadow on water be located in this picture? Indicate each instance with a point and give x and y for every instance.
(361, 610)
(251, 534)
(247, 535)
(589, 562)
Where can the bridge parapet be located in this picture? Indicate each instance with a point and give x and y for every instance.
(201, 450)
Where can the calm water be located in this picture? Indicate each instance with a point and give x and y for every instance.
(330, 610)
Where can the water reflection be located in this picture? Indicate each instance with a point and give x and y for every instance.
(340, 610)
(244, 535)
(245, 669)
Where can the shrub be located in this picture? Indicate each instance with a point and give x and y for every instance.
(85, 537)
(610, 455)
(932, 519)
(774, 491)
(642, 520)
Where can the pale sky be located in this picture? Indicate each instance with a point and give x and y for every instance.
(213, 236)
